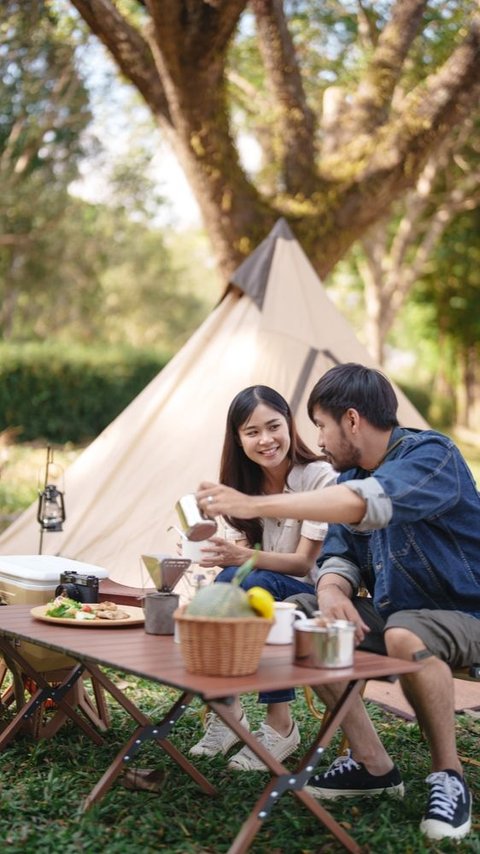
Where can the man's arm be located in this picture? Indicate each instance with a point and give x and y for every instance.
(333, 504)
(334, 597)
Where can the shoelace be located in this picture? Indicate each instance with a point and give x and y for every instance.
(445, 793)
(213, 729)
(341, 764)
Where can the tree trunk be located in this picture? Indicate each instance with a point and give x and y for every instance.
(177, 61)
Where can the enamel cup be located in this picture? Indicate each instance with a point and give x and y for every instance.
(285, 616)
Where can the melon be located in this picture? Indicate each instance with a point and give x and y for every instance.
(224, 599)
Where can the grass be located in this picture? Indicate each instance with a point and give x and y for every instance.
(44, 783)
(22, 474)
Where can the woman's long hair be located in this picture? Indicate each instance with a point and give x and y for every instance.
(237, 470)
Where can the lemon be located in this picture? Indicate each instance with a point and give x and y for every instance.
(262, 602)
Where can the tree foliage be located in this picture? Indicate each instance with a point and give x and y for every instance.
(44, 108)
(70, 269)
(451, 290)
(391, 81)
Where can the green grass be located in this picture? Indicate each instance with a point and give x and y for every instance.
(44, 783)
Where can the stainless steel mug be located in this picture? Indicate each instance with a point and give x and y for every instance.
(195, 524)
(331, 645)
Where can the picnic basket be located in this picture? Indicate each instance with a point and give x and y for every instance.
(221, 646)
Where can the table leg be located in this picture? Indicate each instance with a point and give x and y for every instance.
(146, 731)
(284, 780)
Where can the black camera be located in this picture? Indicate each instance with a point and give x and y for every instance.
(81, 588)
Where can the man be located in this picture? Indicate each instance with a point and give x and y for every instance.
(404, 523)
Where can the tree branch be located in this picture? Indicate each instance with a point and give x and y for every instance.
(296, 118)
(129, 49)
(194, 34)
(375, 91)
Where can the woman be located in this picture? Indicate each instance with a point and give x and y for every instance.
(263, 453)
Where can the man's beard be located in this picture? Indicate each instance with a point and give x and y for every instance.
(347, 457)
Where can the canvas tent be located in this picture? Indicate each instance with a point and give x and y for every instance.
(275, 325)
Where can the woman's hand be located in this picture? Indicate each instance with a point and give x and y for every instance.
(218, 500)
(222, 552)
(336, 605)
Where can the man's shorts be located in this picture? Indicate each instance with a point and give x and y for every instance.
(452, 636)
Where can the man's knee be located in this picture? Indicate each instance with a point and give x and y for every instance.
(402, 643)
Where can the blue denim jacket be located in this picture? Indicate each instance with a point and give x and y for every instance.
(418, 545)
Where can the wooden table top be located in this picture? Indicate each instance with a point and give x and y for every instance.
(158, 658)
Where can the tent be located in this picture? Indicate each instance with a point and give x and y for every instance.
(275, 325)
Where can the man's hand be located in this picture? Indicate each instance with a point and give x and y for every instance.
(336, 605)
(217, 500)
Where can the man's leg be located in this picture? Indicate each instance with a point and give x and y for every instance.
(449, 639)
(430, 693)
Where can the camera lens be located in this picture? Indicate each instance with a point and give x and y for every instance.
(70, 590)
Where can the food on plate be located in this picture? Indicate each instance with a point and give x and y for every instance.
(64, 608)
(111, 614)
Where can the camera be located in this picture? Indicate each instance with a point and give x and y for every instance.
(81, 588)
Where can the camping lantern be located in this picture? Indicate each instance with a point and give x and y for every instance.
(51, 509)
(51, 504)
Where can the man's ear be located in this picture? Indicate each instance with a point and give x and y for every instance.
(353, 419)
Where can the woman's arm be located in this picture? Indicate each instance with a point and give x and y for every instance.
(299, 563)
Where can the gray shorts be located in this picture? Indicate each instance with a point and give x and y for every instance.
(452, 636)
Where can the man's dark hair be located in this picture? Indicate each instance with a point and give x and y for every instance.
(353, 386)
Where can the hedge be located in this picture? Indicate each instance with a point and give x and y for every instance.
(57, 394)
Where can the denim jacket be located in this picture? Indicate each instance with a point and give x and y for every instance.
(418, 545)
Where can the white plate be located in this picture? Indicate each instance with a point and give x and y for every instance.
(135, 618)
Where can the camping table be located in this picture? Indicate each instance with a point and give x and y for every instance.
(131, 650)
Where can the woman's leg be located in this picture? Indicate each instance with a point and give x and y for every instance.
(281, 586)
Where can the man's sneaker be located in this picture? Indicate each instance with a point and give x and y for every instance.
(449, 807)
(346, 779)
(278, 745)
(218, 737)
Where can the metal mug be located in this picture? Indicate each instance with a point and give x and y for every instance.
(159, 609)
(330, 645)
(195, 524)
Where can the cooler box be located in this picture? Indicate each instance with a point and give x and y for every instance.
(32, 580)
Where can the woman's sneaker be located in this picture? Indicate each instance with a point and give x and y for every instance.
(218, 737)
(279, 746)
(449, 807)
(347, 779)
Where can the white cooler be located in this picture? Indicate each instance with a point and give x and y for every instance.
(32, 580)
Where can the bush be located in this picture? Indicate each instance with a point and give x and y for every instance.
(420, 398)
(61, 394)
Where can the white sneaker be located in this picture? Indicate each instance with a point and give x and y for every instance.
(278, 745)
(218, 737)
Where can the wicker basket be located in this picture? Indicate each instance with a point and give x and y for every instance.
(214, 646)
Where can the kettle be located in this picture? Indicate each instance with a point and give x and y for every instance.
(195, 524)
